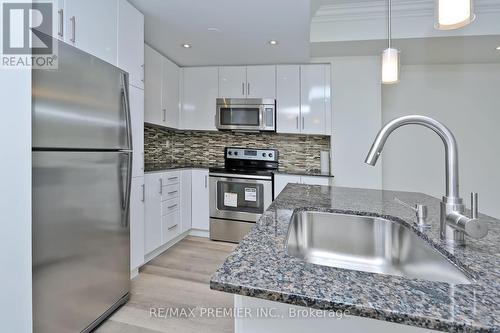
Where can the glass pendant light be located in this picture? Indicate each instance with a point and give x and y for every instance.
(453, 14)
(390, 56)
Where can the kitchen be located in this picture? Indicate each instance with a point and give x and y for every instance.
(240, 171)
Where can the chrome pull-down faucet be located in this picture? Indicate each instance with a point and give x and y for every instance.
(453, 224)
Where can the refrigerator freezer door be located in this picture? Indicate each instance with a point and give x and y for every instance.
(81, 253)
(81, 105)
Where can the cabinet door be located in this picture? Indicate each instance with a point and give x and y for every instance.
(313, 105)
(288, 98)
(200, 91)
(315, 180)
(131, 42)
(232, 82)
(137, 200)
(153, 87)
(91, 26)
(170, 93)
(261, 82)
(186, 183)
(152, 215)
(280, 181)
(137, 119)
(200, 200)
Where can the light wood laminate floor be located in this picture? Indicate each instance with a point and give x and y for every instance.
(178, 278)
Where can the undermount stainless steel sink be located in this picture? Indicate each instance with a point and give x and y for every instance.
(368, 244)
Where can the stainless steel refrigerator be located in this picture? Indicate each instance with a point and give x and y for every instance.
(81, 190)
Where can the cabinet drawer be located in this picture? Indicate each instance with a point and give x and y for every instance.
(170, 226)
(170, 178)
(170, 192)
(170, 206)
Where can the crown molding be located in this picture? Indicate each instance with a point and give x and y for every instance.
(377, 9)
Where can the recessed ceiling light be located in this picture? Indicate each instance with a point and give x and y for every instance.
(498, 48)
(186, 45)
(214, 29)
(273, 42)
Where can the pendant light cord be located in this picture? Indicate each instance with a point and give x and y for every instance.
(389, 27)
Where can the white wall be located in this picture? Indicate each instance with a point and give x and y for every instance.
(467, 99)
(357, 117)
(15, 200)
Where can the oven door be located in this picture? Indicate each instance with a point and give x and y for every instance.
(238, 198)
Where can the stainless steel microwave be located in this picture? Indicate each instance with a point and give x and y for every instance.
(250, 114)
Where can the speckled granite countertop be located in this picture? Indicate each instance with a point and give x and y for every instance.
(260, 267)
(170, 166)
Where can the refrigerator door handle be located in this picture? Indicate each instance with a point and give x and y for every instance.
(127, 190)
(125, 97)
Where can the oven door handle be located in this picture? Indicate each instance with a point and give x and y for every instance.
(225, 175)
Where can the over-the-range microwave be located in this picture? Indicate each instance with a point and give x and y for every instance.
(246, 114)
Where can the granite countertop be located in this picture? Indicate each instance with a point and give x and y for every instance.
(170, 166)
(259, 266)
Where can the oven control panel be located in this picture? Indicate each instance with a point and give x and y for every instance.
(270, 155)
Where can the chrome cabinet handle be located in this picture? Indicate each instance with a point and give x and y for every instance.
(243, 88)
(73, 29)
(170, 228)
(61, 22)
(172, 178)
(173, 206)
(172, 192)
(143, 193)
(297, 122)
(303, 122)
(206, 181)
(161, 186)
(164, 111)
(248, 88)
(143, 72)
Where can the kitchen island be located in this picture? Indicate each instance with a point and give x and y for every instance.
(261, 273)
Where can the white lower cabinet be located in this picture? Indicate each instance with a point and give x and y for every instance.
(186, 200)
(152, 212)
(168, 209)
(137, 201)
(200, 200)
(280, 181)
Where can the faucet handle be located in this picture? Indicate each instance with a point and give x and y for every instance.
(473, 205)
(420, 212)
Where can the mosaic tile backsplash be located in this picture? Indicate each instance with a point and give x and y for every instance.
(297, 153)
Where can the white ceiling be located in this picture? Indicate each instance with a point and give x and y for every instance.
(243, 29)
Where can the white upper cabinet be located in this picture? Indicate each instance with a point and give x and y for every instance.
(153, 111)
(91, 26)
(170, 93)
(288, 98)
(131, 42)
(137, 119)
(247, 81)
(199, 94)
(261, 81)
(232, 82)
(315, 95)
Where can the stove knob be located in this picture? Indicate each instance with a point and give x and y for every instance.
(263, 154)
(270, 155)
(230, 153)
(235, 153)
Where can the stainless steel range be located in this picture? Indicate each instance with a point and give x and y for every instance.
(240, 192)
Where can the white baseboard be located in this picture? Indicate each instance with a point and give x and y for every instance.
(134, 273)
(199, 233)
